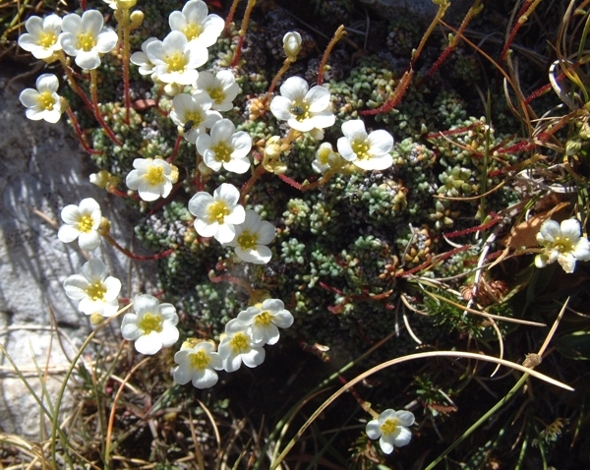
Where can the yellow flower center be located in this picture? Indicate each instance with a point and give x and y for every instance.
(192, 31)
(199, 360)
(263, 318)
(389, 426)
(150, 322)
(47, 40)
(216, 94)
(195, 118)
(300, 111)
(96, 291)
(46, 100)
(563, 244)
(361, 148)
(240, 343)
(217, 211)
(222, 152)
(85, 224)
(247, 240)
(176, 62)
(155, 175)
(86, 41)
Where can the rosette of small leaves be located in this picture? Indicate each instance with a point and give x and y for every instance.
(323, 219)
(450, 109)
(458, 181)
(296, 217)
(416, 244)
(442, 214)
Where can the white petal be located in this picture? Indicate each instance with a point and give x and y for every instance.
(67, 233)
(280, 107)
(402, 436)
(254, 357)
(183, 374)
(318, 98)
(259, 255)
(88, 241)
(207, 378)
(386, 443)
(380, 142)
(570, 228)
(148, 344)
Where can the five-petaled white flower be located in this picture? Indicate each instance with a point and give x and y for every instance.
(562, 243)
(193, 113)
(95, 289)
(292, 44)
(217, 215)
(391, 428)
(237, 346)
(41, 38)
(265, 320)
(225, 147)
(81, 222)
(152, 326)
(303, 108)
(326, 159)
(197, 363)
(221, 88)
(198, 27)
(44, 102)
(85, 38)
(152, 178)
(368, 152)
(141, 59)
(251, 239)
(176, 59)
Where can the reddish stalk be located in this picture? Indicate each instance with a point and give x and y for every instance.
(395, 98)
(97, 114)
(125, 26)
(79, 134)
(258, 172)
(523, 14)
(479, 228)
(174, 154)
(230, 15)
(475, 8)
(340, 32)
(242, 33)
(132, 255)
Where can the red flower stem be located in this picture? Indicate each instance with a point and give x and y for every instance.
(232, 280)
(230, 15)
(243, 30)
(97, 114)
(125, 26)
(131, 255)
(275, 80)
(79, 134)
(174, 154)
(340, 32)
(523, 15)
(72, 80)
(258, 172)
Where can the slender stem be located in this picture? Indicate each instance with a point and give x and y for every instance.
(276, 78)
(126, 27)
(243, 30)
(442, 9)
(174, 153)
(340, 32)
(71, 79)
(96, 109)
(260, 170)
(79, 134)
(132, 255)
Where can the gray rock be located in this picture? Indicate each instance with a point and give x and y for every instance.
(42, 169)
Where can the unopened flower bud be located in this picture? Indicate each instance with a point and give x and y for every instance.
(136, 18)
(292, 44)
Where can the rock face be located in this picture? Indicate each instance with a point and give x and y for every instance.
(42, 169)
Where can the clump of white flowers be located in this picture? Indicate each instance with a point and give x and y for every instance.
(42, 36)
(563, 243)
(391, 428)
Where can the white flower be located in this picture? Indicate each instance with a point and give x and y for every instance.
(292, 44)
(197, 363)
(141, 59)
(95, 289)
(152, 326)
(302, 108)
(198, 27)
(193, 113)
(251, 237)
(221, 88)
(237, 346)
(265, 320)
(391, 428)
(369, 152)
(44, 102)
(217, 214)
(152, 178)
(326, 159)
(41, 38)
(176, 59)
(562, 243)
(225, 147)
(85, 39)
(82, 222)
